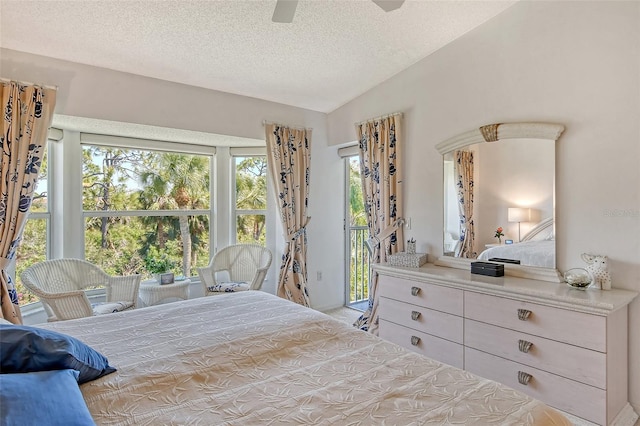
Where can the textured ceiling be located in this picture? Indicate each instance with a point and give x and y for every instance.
(333, 51)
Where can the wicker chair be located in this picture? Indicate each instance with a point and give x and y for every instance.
(60, 284)
(239, 267)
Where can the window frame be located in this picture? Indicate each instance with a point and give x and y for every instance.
(348, 154)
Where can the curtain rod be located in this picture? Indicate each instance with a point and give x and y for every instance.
(380, 118)
(265, 122)
(28, 83)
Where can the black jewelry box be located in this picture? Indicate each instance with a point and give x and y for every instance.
(487, 268)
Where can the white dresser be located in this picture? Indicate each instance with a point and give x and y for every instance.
(563, 346)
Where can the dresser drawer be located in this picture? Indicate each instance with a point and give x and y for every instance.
(575, 398)
(436, 323)
(434, 347)
(576, 328)
(433, 296)
(580, 364)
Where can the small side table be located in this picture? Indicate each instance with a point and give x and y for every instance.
(152, 293)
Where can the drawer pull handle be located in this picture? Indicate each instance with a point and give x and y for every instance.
(415, 315)
(524, 346)
(415, 340)
(524, 378)
(523, 314)
(415, 291)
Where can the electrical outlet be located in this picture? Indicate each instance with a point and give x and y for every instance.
(319, 275)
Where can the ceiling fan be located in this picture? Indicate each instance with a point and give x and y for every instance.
(285, 9)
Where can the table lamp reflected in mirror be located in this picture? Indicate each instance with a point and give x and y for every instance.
(519, 214)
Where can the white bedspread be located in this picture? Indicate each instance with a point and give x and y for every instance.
(254, 359)
(531, 253)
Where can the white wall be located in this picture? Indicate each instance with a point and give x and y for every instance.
(575, 63)
(99, 93)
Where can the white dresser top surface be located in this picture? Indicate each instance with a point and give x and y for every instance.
(548, 293)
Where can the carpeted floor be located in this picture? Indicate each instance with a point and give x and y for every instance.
(345, 314)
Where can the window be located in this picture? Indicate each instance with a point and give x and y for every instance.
(34, 247)
(148, 206)
(250, 182)
(146, 210)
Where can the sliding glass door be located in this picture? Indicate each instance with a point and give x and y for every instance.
(357, 261)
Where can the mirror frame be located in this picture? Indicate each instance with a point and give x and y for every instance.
(493, 133)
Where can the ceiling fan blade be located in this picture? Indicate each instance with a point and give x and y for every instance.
(389, 5)
(284, 11)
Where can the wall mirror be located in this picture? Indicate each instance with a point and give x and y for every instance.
(500, 179)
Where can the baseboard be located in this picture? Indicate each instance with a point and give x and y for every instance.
(626, 417)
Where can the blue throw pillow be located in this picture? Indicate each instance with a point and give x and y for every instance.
(24, 349)
(50, 398)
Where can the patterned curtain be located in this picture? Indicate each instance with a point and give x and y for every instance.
(27, 111)
(464, 172)
(381, 172)
(289, 159)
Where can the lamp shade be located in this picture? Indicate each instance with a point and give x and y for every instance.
(519, 214)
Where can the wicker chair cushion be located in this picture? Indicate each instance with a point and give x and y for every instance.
(229, 287)
(110, 307)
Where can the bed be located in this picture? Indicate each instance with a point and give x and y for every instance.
(530, 253)
(254, 359)
(537, 248)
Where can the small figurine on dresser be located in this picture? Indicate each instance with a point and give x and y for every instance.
(411, 246)
(598, 268)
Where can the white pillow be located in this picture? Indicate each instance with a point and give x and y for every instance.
(110, 307)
